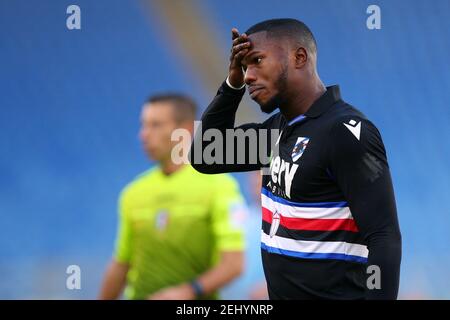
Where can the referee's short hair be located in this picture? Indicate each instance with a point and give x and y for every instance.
(184, 107)
(292, 29)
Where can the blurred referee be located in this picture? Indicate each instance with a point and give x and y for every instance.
(179, 235)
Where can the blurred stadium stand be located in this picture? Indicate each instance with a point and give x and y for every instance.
(70, 102)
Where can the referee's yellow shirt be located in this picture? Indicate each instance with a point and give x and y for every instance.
(172, 228)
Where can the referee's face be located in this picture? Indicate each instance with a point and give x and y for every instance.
(265, 68)
(157, 124)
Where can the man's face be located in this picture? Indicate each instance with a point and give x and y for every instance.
(266, 66)
(157, 124)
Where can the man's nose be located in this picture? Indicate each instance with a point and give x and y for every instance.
(249, 76)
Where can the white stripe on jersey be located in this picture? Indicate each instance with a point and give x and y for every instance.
(334, 247)
(305, 212)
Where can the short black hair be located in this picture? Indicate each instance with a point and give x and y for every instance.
(184, 106)
(286, 27)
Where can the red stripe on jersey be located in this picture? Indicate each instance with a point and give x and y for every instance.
(311, 224)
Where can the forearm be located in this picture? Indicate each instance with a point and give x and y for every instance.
(376, 217)
(385, 251)
(114, 281)
(221, 112)
(228, 269)
(220, 116)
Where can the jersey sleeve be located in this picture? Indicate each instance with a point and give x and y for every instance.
(228, 215)
(123, 240)
(359, 165)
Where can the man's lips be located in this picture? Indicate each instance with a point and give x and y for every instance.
(253, 91)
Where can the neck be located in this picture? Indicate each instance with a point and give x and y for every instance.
(303, 99)
(168, 167)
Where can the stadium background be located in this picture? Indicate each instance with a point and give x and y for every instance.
(70, 102)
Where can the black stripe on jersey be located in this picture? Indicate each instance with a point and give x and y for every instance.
(312, 235)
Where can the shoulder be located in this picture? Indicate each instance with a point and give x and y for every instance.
(345, 120)
(275, 121)
(354, 136)
(211, 181)
(226, 181)
(343, 112)
(140, 183)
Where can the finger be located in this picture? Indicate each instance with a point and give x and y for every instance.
(234, 33)
(241, 54)
(239, 47)
(241, 38)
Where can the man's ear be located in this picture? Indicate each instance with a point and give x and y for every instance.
(188, 125)
(301, 57)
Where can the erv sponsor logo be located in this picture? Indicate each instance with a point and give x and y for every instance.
(282, 173)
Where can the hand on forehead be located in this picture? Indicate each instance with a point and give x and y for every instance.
(262, 43)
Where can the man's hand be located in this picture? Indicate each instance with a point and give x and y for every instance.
(181, 292)
(241, 46)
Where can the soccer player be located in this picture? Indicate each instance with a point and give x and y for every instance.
(328, 206)
(179, 235)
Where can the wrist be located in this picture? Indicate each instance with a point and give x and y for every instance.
(197, 288)
(233, 87)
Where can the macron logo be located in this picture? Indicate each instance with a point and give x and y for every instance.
(354, 128)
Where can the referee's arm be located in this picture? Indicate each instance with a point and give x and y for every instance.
(361, 170)
(115, 278)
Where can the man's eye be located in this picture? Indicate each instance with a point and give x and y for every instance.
(258, 60)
